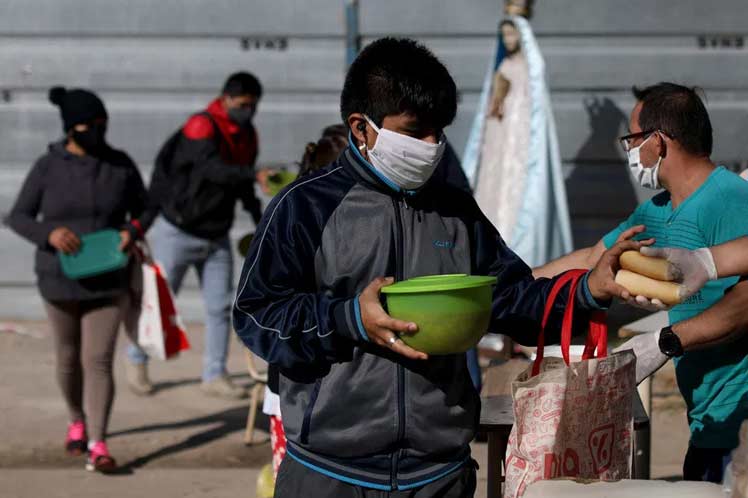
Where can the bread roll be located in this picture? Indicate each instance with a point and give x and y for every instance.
(639, 285)
(656, 268)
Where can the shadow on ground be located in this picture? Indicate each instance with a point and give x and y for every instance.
(221, 424)
(243, 379)
(134, 446)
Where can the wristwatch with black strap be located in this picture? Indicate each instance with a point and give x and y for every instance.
(669, 343)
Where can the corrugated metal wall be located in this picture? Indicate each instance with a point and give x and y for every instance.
(155, 62)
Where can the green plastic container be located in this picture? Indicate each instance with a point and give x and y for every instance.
(278, 180)
(99, 253)
(440, 277)
(452, 311)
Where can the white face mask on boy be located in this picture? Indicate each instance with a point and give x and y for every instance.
(647, 177)
(408, 162)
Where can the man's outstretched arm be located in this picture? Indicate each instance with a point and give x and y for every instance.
(695, 268)
(584, 259)
(724, 322)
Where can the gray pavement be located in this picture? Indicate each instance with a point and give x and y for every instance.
(147, 482)
(175, 443)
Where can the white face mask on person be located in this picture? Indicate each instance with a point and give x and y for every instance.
(648, 177)
(408, 162)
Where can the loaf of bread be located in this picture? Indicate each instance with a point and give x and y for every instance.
(639, 285)
(656, 268)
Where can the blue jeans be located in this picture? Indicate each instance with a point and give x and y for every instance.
(177, 251)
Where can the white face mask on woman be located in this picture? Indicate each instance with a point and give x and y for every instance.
(408, 162)
(647, 177)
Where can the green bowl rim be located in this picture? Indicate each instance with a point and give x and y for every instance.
(419, 286)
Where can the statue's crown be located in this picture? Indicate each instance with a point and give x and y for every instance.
(518, 7)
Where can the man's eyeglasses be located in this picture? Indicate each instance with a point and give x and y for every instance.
(628, 141)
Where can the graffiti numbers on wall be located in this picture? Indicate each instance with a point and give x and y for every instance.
(717, 42)
(278, 44)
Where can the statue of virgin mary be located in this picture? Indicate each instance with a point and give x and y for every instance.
(512, 157)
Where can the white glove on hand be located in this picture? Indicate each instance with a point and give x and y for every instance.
(693, 269)
(649, 358)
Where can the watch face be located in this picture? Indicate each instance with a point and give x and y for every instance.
(670, 343)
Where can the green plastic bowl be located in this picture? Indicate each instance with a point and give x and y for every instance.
(280, 179)
(99, 253)
(452, 311)
(440, 277)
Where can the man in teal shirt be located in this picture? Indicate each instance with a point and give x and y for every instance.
(702, 205)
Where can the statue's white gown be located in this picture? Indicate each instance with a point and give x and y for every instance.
(503, 158)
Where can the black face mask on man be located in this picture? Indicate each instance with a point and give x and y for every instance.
(92, 139)
(242, 116)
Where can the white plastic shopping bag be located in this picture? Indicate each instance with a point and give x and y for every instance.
(152, 319)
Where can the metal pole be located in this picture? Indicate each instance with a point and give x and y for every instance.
(352, 35)
(495, 457)
(642, 446)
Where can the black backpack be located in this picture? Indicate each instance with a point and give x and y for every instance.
(173, 182)
(165, 156)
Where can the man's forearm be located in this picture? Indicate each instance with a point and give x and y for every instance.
(575, 260)
(721, 323)
(731, 258)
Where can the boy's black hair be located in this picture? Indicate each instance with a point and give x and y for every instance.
(242, 83)
(679, 112)
(398, 75)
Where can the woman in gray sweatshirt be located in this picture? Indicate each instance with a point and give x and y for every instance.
(81, 185)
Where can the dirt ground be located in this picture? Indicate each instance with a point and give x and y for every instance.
(180, 443)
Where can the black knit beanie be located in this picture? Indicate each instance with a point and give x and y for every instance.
(76, 106)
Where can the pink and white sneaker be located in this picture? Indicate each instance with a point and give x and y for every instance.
(76, 441)
(99, 459)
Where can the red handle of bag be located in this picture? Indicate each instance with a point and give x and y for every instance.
(597, 338)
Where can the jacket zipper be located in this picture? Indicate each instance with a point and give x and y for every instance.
(399, 276)
(307, 420)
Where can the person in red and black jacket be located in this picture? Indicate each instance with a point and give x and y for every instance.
(210, 166)
(198, 177)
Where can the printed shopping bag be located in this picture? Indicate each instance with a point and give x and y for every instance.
(572, 419)
(152, 320)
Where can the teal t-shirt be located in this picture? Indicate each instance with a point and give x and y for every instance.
(714, 382)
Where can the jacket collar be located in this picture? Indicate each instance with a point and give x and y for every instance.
(59, 150)
(222, 119)
(368, 174)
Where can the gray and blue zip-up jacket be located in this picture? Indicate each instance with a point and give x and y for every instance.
(353, 410)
